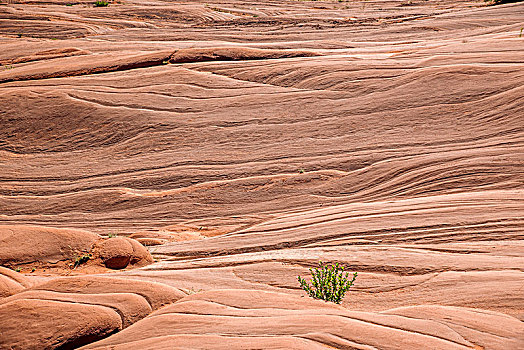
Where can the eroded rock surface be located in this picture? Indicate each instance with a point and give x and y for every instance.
(247, 141)
(21, 244)
(32, 247)
(12, 282)
(72, 311)
(252, 319)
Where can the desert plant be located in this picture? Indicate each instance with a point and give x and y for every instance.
(111, 235)
(101, 3)
(193, 291)
(81, 260)
(17, 269)
(328, 282)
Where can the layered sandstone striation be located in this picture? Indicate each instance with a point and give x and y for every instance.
(244, 142)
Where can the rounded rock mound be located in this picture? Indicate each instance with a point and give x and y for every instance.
(68, 312)
(119, 252)
(30, 247)
(116, 253)
(23, 244)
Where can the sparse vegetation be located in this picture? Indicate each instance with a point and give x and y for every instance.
(80, 260)
(111, 235)
(193, 291)
(33, 269)
(328, 282)
(301, 171)
(101, 3)
(17, 269)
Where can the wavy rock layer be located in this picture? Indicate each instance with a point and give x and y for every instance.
(246, 141)
(73, 311)
(222, 319)
(12, 282)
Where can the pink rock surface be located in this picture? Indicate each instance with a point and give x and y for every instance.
(12, 282)
(69, 312)
(36, 324)
(228, 315)
(32, 247)
(247, 141)
(21, 244)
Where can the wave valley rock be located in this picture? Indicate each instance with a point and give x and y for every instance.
(244, 142)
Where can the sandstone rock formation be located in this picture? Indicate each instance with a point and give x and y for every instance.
(246, 319)
(12, 282)
(21, 245)
(244, 142)
(40, 247)
(72, 311)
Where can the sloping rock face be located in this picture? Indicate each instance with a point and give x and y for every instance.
(247, 141)
(52, 325)
(12, 282)
(157, 294)
(250, 319)
(69, 312)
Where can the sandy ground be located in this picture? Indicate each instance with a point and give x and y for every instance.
(244, 142)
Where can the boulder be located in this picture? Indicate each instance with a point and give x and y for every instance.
(140, 255)
(115, 252)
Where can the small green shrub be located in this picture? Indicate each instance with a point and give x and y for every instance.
(17, 269)
(328, 282)
(111, 235)
(101, 3)
(81, 260)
